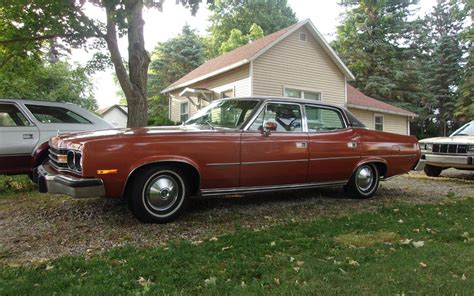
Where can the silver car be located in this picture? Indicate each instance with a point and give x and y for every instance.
(26, 126)
(455, 151)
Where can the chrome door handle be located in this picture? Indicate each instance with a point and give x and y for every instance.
(301, 144)
(27, 136)
(352, 145)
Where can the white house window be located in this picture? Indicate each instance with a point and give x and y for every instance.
(184, 111)
(302, 36)
(378, 122)
(304, 94)
(227, 94)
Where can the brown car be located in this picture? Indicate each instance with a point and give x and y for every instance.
(231, 146)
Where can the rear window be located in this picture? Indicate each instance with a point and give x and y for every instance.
(353, 120)
(50, 114)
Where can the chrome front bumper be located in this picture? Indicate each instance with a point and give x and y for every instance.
(51, 182)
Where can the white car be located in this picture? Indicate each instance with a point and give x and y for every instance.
(455, 151)
(26, 126)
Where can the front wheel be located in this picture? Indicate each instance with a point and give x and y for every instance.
(158, 194)
(364, 182)
(432, 171)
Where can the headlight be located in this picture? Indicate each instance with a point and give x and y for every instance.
(470, 148)
(78, 161)
(429, 147)
(71, 159)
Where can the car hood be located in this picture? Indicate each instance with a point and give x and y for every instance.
(450, 140)
(75, 140)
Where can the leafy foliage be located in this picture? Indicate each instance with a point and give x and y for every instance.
(237, 39)
(170, 61)
(227, 15)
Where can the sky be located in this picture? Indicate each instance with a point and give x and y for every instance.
(161, 26)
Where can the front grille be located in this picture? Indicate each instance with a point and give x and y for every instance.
(449, 148)
(53, 158)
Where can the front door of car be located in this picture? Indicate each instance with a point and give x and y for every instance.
(18, 137)
(275, 157)
(334, 149)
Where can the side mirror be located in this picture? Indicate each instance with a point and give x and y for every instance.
(268, 127)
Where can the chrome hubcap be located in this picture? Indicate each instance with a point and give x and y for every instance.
(162, 193)
(364, 178)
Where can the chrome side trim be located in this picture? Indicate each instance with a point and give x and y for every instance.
(256, 189)
(223, 164)
(341, 157)
(273, 161)
(404, 155)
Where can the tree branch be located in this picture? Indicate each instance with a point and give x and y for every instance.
(39, 38)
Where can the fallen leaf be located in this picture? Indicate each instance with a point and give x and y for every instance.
(463, 277)
(299, 263)
(145, 283)
(210, 281)
(243, 285)
(396, 210)
(424, 265)
(277, 281)
(297, 269)
(405, 241)
(292, 259)
(418, 244)
(354, 263)
(267, 217)
(213, 239)
(226, 248)
(400, 221)
(49, 267)
(273, 244)
(195, 243)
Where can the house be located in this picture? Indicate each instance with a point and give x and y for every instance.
(293, 62)
(115, 114)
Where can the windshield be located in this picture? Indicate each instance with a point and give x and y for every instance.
(226, 113)
(465, 130)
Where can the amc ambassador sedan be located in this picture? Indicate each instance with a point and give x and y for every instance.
(232, 146)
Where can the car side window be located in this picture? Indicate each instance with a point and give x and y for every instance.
(286, 116)
(50, 114)
(10, 115)
(323, 119)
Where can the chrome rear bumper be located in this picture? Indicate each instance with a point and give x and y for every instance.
(51, 182)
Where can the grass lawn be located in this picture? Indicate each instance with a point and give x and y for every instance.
(403, 249)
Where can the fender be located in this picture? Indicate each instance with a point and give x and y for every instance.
(159, 159)
(39, 154)
(370, 159)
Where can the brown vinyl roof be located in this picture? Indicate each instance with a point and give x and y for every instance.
(356, 98)
(243, 53)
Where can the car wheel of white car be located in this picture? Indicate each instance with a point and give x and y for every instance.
(364, 182)
(432, 171)
(158, 194)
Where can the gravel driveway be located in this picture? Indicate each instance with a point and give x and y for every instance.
(38, 227)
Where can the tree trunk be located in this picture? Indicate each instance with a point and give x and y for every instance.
(134, 82)
(138, 61)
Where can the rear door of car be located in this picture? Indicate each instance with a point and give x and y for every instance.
(334, 148)
(278, 158)
(18, 138)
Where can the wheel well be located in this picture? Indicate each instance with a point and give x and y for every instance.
(191, 173)
(381, 167)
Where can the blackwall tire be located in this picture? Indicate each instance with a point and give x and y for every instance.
(364, 182)
(158, 194)
(432, 171)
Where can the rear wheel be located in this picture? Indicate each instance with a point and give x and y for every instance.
(364, 182)
(432, 171)
(158, 194)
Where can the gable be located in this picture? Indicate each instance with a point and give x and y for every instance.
(298, 64)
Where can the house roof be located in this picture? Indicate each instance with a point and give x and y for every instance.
(356, 99)
(102, 111)
(244, 54)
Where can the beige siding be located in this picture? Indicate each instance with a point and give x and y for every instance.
(237, 80)
(392, 123)
(298, 64)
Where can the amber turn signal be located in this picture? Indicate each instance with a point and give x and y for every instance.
(106, 172)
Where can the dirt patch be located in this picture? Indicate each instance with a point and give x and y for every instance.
(37, 227)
